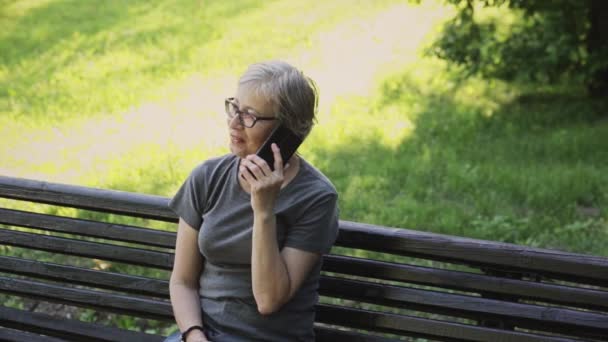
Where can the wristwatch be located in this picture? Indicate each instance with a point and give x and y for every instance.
(187, 331)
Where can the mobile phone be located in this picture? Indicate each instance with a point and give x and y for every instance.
(287, 141)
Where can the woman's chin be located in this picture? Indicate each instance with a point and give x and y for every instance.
(239, 152)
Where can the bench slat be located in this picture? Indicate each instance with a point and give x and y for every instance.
(422, 327)
(526, 290)
(471, 307)
(324, 334)
(112, 201)
(127, 281)
(162, 310)
(80, 331)
(496, 258)
(110, 231)
(71, 330)
(105, 301)
(11, 335)
(83, 276)
(523, 315)
(503, 256)
(469, 282)
(96, 250)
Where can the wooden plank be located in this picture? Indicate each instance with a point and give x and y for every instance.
(363, 291)
(502, 256)
(421, 327)
(104, 301)
(326, 334)
(96, 250)
(12, 335)
(572, 322)
(72, 330)
(112, 201)
(470, 282)
(104, 230)
(82, 276)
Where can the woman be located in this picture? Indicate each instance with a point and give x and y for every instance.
(250, 240)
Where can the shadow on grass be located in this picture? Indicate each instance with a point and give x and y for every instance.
(530, 171)
(51, 37)
(58, 20)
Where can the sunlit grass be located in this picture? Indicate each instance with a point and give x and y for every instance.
(484, 159)
(133, 101)
(186, 121)
(128, 96)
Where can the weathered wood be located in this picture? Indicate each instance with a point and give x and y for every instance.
(421, 327)
(144, 297)
(88, 249)
(353, 234)
(503, 256)
(110, 231)
(72, 330)
(470, 307)
(104, 301)
(469, 282)
(82, 276)
(11, 335)
(325, 334)
(523, 315)
(111, 201)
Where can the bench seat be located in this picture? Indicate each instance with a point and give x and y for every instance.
(378, 283)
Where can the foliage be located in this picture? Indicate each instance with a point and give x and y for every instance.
(476, 158)
(533, 39)
(422, 149)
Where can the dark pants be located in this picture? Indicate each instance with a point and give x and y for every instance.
(175, 337)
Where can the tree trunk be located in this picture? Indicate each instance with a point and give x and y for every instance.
(597, 45)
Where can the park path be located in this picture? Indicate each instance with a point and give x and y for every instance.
(348, 60)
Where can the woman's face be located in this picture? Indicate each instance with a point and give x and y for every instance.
(245, 141)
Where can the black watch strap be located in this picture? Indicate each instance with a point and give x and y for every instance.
(189, 330)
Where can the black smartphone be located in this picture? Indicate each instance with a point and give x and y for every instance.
(287, 141)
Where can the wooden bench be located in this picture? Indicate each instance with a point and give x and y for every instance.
(379, 283)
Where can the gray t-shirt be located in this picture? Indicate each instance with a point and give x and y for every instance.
(212, 201)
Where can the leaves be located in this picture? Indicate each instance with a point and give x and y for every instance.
(515, 39)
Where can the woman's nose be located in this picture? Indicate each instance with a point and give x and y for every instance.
(234, 122)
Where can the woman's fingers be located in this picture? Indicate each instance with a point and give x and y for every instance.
(258, 171)
(260, 163)
(246, 174)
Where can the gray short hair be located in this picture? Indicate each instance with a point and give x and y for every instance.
(293, 95)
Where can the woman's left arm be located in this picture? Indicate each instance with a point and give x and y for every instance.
(276, 275)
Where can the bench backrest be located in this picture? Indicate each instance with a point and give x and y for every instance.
(378, 282)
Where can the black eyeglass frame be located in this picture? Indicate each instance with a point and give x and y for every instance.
(230, 101)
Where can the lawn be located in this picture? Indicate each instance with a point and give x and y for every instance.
(129, 96)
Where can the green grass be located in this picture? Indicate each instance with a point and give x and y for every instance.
(481, 159)
(71, 58)
(123, 95)
(421, 149)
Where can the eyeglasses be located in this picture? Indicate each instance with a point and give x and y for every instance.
(246, 118)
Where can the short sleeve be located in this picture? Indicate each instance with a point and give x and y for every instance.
(317, 228)
(189, 201)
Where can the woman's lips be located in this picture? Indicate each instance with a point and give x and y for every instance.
(237, 140)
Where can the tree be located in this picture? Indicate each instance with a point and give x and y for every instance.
(550, 40)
